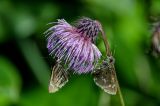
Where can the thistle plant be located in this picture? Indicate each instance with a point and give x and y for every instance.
(74, 49)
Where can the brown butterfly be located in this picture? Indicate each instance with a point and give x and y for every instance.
(59, 78)
(105, 76)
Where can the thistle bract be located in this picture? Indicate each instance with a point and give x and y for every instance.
(73, 45)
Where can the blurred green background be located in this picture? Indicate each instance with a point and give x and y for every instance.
(25, 66)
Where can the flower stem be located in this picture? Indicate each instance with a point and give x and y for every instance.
(119, 91)
(108, 51)
(120, 96)
(106, 43)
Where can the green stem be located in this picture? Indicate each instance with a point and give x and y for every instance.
(108, 51)
(106, 43)
(120, 96)
(119, 92)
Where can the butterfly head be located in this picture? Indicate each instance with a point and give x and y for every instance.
(109, 60)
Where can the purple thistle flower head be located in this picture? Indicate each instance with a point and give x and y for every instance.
(88, 27)
(73, 45)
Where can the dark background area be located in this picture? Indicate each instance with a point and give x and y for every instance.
(25, 65)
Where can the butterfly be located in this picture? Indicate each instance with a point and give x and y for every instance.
(59, 78)
(105, 76)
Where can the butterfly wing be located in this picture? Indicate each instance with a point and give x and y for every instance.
(105, 78)
(59, 78)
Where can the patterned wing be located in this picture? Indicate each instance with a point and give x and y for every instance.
(59, 78)
(105, 77)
